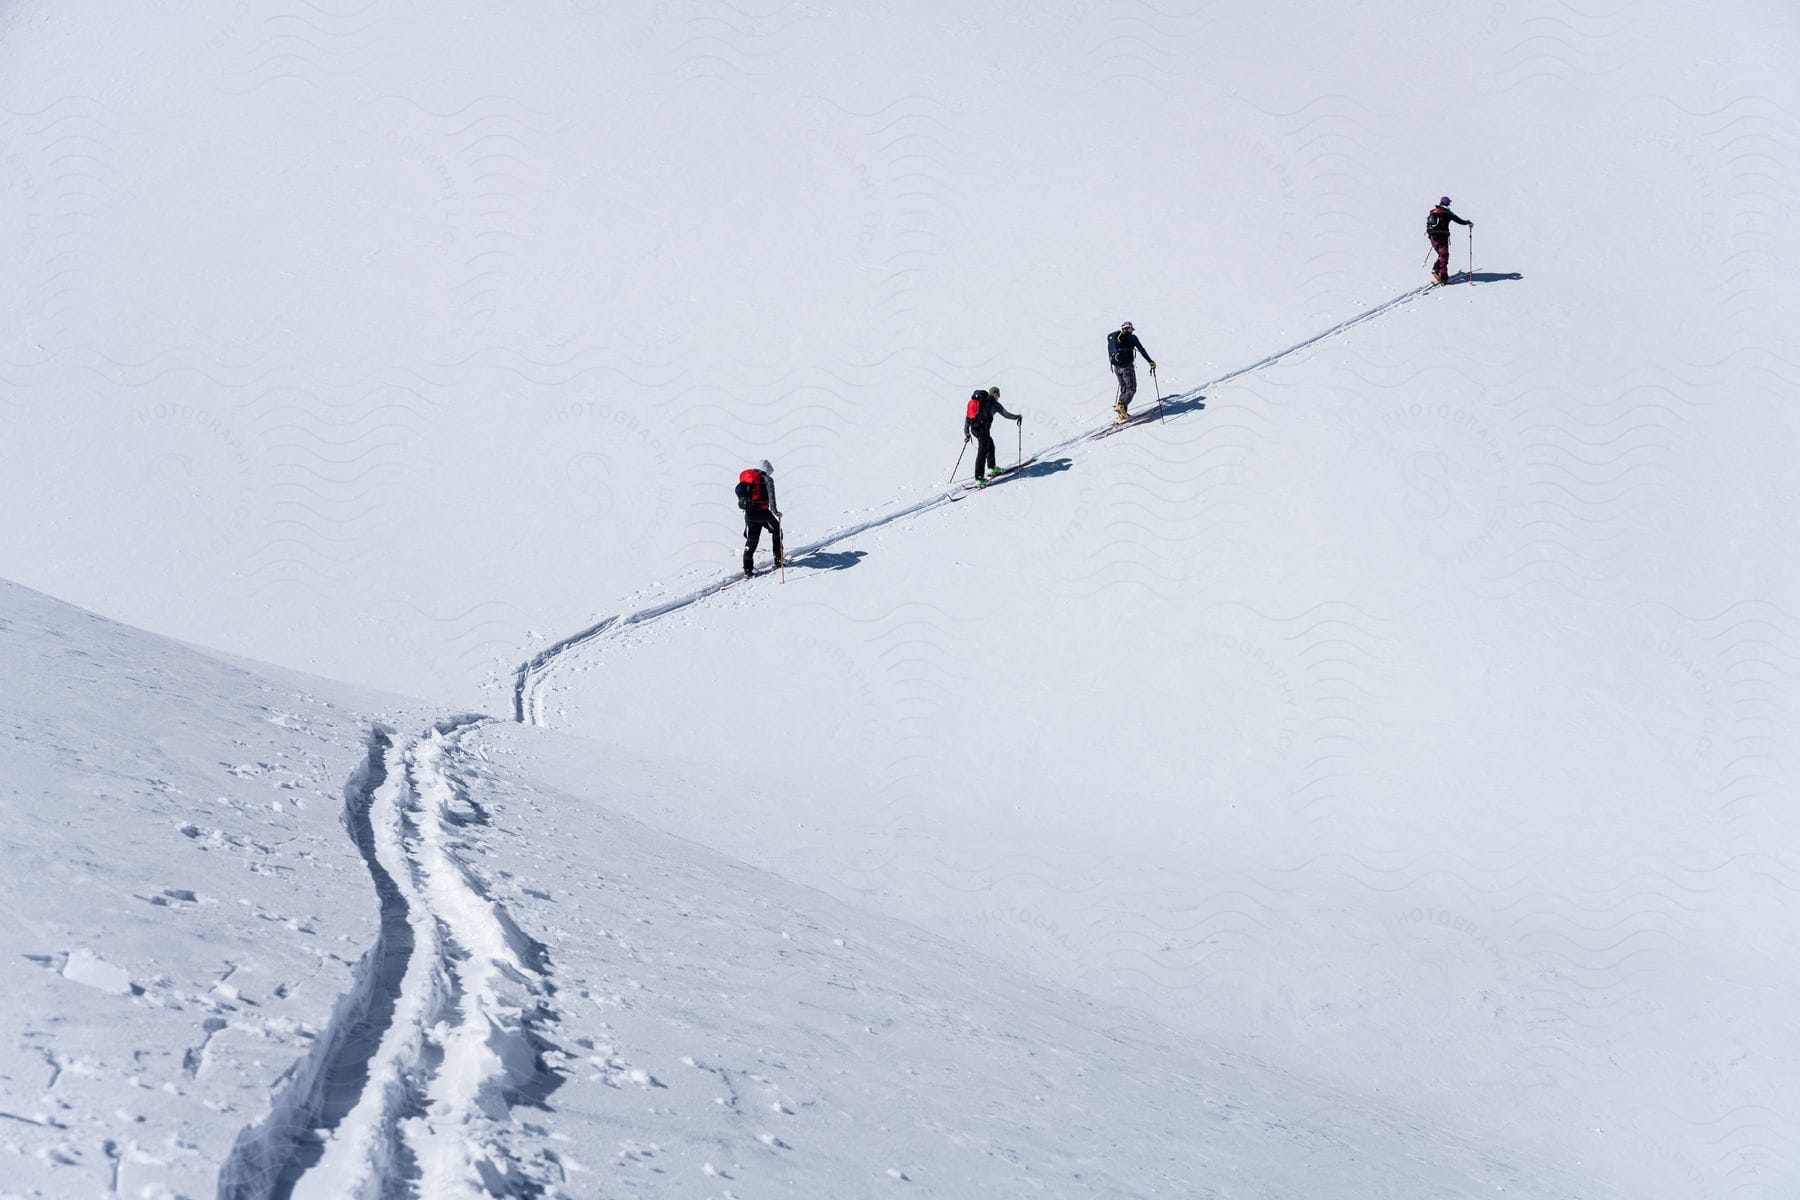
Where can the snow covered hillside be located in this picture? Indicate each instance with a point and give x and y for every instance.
(1376, 778)
(379, 340)
(236, 925)
(185, 909)
(1475, 796)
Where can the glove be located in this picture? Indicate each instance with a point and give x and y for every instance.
(1153, 368)
(965, 437)
(1019, 420)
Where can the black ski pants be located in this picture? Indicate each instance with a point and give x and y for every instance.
(1127, 375)
(755, 521)
(984, 451)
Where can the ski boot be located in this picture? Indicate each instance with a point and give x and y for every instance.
(1121, 412)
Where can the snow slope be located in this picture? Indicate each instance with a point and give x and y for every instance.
(394, 343)
(1501, 823)
(186, 913)
(1406, 715)
(444, 979)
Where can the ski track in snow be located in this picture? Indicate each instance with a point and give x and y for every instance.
(531, 681)
(409, 1088)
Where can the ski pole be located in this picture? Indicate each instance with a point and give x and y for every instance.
(1471, 256)
(1021, 424)
(1157, 384)
(958, 467)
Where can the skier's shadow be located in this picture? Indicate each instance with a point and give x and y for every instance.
(1175, 406)
(1484, 277)
(829, 560)
(1050, 466)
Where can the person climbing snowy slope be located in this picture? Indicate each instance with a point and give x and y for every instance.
(756, 496)
(1437, 230)
(978, 421)
(1122, 349)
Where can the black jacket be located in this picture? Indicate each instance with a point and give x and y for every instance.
(986, 407)
(1120, 347)
(1437, 221)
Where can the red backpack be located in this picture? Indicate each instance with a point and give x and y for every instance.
(750, 491)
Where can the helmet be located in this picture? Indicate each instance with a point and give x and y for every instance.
(766, 468)
(1125, 325)
(994, 392)
(1443, 199)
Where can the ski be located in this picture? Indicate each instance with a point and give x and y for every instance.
(1134, 419)
(1018, 466)
(742, 578)
(969, 489)
(1000, 475)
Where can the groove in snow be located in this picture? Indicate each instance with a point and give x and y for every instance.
(410, 1091)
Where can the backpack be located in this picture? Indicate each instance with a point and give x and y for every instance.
(750, 493)
(973, 412)
(1437, 221)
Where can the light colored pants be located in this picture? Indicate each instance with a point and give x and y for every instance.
(1127, 383)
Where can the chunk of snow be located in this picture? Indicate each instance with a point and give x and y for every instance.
(84, 966)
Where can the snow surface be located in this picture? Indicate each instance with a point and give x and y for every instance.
(489, 987)
(1374, 779)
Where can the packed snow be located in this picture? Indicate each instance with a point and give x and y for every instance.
(1369, 773)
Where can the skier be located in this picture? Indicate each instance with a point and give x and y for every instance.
(1122, 348)
(1437, 228)
(756, 496)
(978, 422)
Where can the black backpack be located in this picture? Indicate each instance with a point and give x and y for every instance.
(1437, 220)
(1113, 350)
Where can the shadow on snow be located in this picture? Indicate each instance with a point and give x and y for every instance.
(829, 560)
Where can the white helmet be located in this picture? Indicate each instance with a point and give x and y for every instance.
(766, 468)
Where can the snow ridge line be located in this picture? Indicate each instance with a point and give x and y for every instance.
(529, 682)
(437, 1039)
